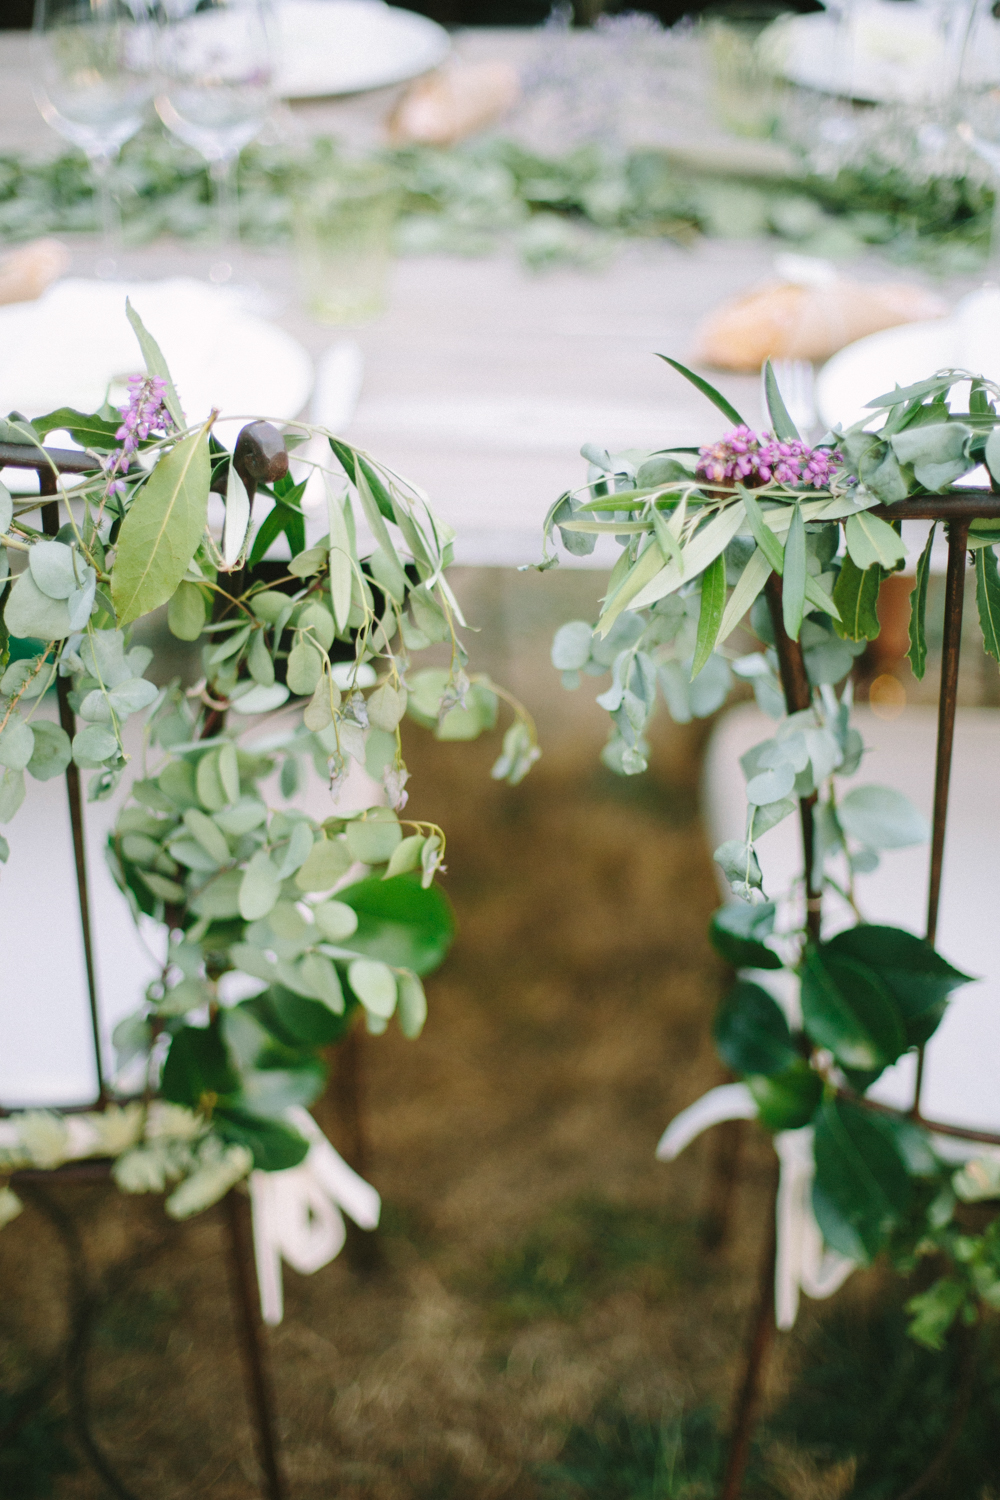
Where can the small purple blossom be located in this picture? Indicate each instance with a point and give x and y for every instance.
(144, 413)
(755, 458)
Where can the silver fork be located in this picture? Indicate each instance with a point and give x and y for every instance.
(797, 383)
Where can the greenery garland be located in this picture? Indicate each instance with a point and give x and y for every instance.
(320, 644)
(471, 197)
(703, 533)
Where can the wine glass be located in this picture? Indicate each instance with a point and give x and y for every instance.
(92, 73)
(979, 107)
(215, 66)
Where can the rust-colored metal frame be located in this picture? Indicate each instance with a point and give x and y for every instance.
(259, 456)
(957, 511)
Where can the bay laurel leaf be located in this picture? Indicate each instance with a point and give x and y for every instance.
(162, 530)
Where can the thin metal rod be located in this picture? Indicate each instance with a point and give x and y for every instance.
(748, 1397)
(968, 505)
(951, 650)
(50, 525)
(954, 600)
(244, 1284)
(798, 696)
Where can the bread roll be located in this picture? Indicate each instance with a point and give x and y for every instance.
(446, 106)
(783, 320)
(28, 270)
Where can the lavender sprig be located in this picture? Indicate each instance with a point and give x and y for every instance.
(145, 412)
(755, 458)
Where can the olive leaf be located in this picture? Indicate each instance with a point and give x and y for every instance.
(161, 531)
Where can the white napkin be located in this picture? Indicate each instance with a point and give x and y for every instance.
(803, 1262)
(297, 1213)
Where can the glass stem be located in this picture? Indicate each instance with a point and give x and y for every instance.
(227, 209)
(109, 211)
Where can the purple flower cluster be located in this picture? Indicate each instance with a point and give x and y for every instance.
(144, 413)
(754, 458)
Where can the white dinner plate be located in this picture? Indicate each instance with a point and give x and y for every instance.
(347, 46)
(968, 340)
(66, 348)
(889, 54)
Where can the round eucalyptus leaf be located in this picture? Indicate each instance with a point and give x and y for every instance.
(186, 612)
(260, 887)
(372, 841)
(571, 646)
(319, 623)
(93, 746)
(319, 977)
(305, 665)
(52, 751)
(17, 744)
(326, 862)
(336, 920)
(260, 700)
(882, 818)
(375, 986)
(32, 614)
(386, 706)
(52, 568)
(770, 786)
(411, 1006)
(259, 662)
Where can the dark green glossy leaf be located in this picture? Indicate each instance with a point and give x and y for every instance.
(917, 977)
(856, 596)
(737, 932)
(847, 1008)
(88, 431)
(198, 1064)
(918, 611)
(788, 1100)
(716, 397)
(296, 1021)
(751, 1033)
(861, 1178)
(275, 1146)
(401, 923)
(283, 518)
